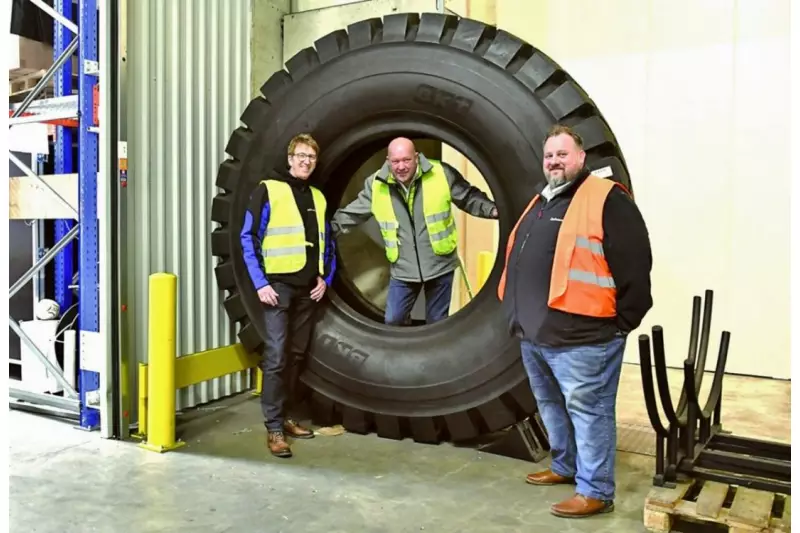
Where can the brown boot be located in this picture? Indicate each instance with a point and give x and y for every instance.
(295, 430)
(278, 445)
(579, 506)
(548, 477)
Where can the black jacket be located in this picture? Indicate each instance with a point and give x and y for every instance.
(255, 225)
(626, 246)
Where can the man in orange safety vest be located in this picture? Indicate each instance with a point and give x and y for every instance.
(576, 281)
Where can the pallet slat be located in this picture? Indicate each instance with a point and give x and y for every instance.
(750, 511)
(751, 508)
(711, 498)
(29, 199)
(667, 497)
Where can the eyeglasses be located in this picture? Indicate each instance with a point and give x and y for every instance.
(302, 157)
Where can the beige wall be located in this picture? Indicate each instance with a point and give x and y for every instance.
(266, 40)
(698, 94)
(302, 29)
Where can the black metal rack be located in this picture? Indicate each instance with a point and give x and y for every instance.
(693, 444)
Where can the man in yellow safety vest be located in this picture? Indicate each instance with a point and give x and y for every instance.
(290, 258)
(410, 198)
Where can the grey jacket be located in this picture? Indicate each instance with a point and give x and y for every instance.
(416, 261)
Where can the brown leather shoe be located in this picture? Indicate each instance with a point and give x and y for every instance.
(579, 506)
(548, 477)
(295, 430)
(278, 445)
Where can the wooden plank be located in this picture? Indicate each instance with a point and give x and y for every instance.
(711, 498)
(26, 82)
(751, 508)
(657, 521)
(666, 498)
(29, 199)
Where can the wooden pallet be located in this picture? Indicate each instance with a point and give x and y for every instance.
(741, 509)
(26, 82)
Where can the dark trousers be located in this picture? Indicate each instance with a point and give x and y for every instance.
(289, 326)
(403, 295)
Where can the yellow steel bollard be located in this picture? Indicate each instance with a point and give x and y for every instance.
(259, 382)
(161, 351)
(141, 431)
(485, 264)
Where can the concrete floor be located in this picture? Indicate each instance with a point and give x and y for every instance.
(224, 480)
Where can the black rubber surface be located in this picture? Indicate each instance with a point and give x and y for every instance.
(479, 89)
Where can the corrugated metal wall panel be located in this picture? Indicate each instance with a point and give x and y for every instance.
(189, 72)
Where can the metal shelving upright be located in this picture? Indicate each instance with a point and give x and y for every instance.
(62, 149)
(70, 112)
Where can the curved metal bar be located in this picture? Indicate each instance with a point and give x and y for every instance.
(688, 384)
(648, 387)
(661, 376)
(692, 407)
(719, 373)
(693, 335)
(705, 334)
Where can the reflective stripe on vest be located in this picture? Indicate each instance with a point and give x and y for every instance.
(436, 202)
(283, 247)
(581, 281)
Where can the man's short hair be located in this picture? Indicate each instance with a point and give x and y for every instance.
(560, 129)
(303, 138)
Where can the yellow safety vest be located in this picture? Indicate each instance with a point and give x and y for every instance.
(284, 244)
(436, 202)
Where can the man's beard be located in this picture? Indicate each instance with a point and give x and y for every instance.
(561, 179)
(556, 181)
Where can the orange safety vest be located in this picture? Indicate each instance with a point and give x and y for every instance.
(581, 281)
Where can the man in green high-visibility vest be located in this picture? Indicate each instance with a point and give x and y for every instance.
(410, 198)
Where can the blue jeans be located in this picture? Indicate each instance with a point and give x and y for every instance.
(403, 295)
(289, 326)
(576, 389)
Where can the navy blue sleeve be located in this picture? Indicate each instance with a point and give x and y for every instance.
(256, 218)
(330, 255)
(626, 245)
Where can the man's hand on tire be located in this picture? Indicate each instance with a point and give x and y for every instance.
(268, 295)
(319, 290)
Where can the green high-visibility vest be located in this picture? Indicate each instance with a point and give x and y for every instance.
(284, 244)
(436, 202)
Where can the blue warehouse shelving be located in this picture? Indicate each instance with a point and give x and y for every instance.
(74, 112)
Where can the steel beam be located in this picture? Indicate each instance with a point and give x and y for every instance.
(53, 369)
(45, 79)
(64, 264)
(88, 256)
(745, 464)
(31, 174)
(60, 402)
(732, 478)
(56, 15)
(764, 448)
(42, 262)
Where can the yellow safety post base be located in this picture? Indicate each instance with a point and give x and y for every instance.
(141, 430)
(259, 382)
(161, 347)
(485, 264)
(161, 449)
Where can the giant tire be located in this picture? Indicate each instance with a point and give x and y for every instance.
(479, 89)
